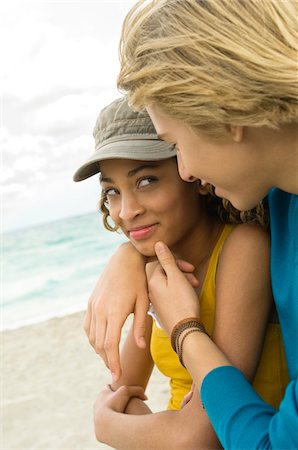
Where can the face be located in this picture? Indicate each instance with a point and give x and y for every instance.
(232, 166)
(150, 202)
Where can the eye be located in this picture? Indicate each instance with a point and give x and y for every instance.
(110, 192)
(146, 181)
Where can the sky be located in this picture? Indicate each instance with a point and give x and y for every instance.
(59, 64)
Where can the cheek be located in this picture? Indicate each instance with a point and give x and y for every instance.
(181, 203)
(187, 160)
(113, 211)
(165, 204)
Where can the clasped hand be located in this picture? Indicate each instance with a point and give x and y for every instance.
(109, 402)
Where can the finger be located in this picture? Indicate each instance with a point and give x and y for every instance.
(99, 340)
(92, 328)
(131, 391)
(119, 399)
(192, 280)
(106, 389)
(166, 259)
(186, 399)
(87, 321)
(111, 347)
(154, 272)
(188, 270)
(139, 321)
(185, 266)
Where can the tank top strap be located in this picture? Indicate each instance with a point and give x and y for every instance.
(220, 242)
(209, 282)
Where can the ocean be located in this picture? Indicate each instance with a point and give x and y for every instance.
(50, 270)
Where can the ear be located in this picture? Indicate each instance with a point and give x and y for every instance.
(236, 132)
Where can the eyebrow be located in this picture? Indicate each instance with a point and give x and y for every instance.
(131, 173)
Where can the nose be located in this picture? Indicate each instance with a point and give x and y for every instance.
(184, 174)
(130, 207)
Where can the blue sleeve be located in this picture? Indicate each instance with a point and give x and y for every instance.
(240, 417)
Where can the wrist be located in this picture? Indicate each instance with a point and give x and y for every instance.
(201, 355)
(182, 330)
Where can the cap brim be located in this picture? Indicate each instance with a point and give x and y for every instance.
(142, 150)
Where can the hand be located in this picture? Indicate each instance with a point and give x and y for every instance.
(118, 400)
(109, 402)
(186, 399)
(117, 293)
(172, 295)
(186, 267)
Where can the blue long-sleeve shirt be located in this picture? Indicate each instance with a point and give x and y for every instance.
(240, 418)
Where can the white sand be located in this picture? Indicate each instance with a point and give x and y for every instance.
(50, 379)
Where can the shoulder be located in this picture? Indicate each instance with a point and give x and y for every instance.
(246, 235)
(247, 243)
(243, 274)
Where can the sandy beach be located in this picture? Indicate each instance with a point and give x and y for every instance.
(50, 378)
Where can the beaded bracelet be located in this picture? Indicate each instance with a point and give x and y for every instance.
(190, 322)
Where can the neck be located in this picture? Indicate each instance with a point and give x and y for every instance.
(289, 177)
(197, 246)
(281, 156)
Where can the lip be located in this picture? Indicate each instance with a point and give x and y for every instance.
(142, 232)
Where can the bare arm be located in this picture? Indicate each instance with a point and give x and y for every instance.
(111, 303)
(242, 305)
(136, 363)
(134, 426)
(188, 428)
(243, 298)
(121, 290)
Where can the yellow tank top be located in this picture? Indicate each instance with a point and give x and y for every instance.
(272, 375)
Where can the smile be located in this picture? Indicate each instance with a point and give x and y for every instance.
(143, 232)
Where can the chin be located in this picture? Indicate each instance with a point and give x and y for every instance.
(240, 202)
(145, 249)
(244, 204)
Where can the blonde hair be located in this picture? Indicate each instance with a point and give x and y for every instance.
(210, 63)
(216, 206)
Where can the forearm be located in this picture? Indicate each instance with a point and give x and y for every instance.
(133, 432)
(168, 430)
(210, 357)
(137, 364)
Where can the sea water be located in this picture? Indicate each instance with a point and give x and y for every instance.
(50, 270)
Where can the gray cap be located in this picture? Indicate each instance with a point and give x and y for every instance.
(120, 132)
